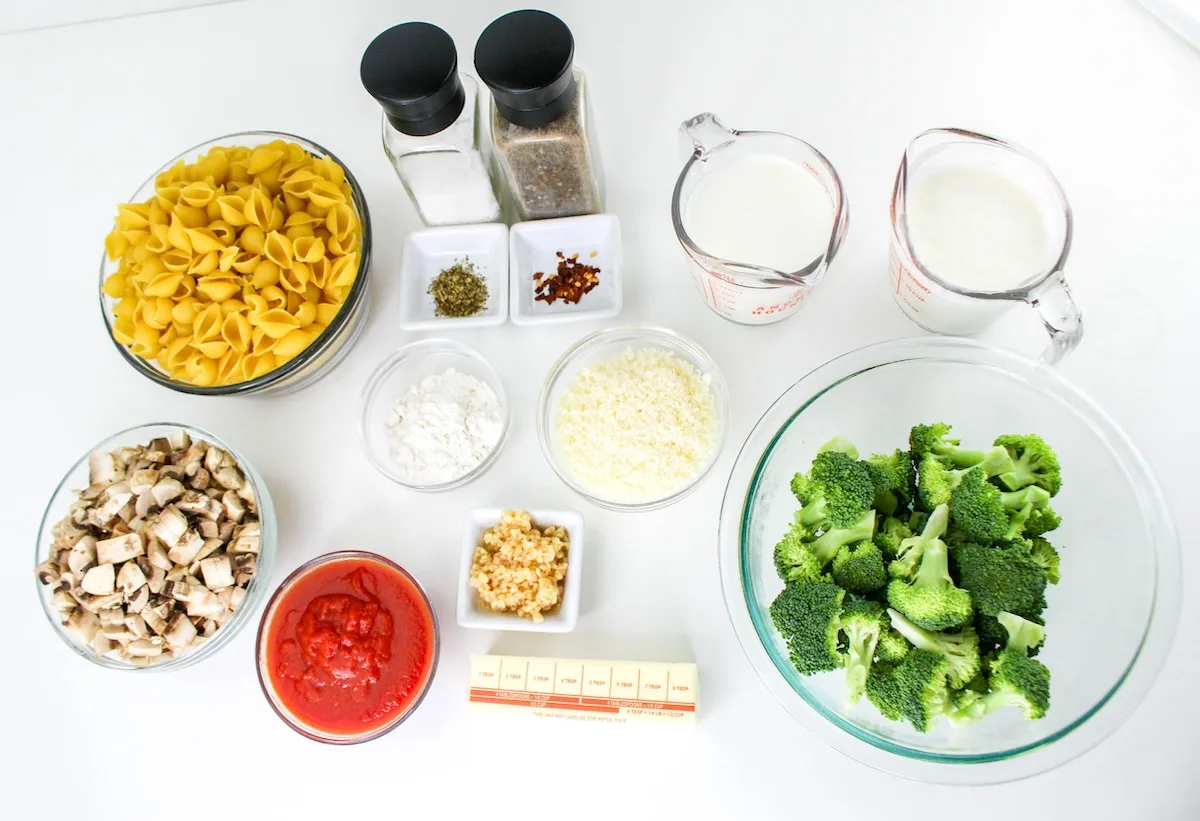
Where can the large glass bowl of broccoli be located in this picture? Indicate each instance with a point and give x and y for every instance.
(947, 562)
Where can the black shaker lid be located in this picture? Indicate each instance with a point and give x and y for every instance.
(412, 70)
(525, 58)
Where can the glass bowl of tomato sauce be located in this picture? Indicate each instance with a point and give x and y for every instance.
(347, 647)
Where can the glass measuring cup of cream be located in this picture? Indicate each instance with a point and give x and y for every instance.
(978, 224)
(761, 216)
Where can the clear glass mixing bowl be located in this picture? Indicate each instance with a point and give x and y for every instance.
(326, 351)
(1109, 622)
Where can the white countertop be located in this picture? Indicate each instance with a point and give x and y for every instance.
(1101, 90)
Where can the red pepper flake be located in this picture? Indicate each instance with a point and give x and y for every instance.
(570, 283)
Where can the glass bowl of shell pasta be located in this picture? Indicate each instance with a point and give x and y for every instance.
(239, 267)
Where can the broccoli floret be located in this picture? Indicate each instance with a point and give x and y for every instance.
(883, 690)
(826, 546)
(916, 520)
(1016, 679)
(892, 646)
(915, 689)
(1002, 578)
(931, 600)
(934, 440)
(908, 557)
(986, 515)
(859, 568)
(1044, 554)
(889, 534)
(836, 491)
(894, 479)
(1034, 463)
(1041, 520)
(808, 617)
(961, 649)
(795, 561)
(862, 621)
(1023, 635)
(839, 444)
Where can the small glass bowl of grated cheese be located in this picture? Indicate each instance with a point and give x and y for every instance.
(632, 418)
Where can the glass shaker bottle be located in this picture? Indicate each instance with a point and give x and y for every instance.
(429, 124)
(539, 116)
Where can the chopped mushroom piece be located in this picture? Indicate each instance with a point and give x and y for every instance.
(130, 578)
(236, 597)
(218, 572)
(138, 600)
(158, 555)
(235, 509)
(185, 550)
(102, 468)
(180, 631)
(247, 540)
(228, 478)
(213, 459)
(170, 525)
(200, 479)
(82, 555)
(112, 500)
(83, 625)
(101, 644)
(143, 480)
(209, 529)
(167, 490)
(158, 579)
(120, 549)
(144, 647)
(100, 580)
(48, 572)
(96, 604)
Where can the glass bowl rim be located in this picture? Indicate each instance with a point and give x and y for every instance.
(667, 339)
(843, 735)
(319, 345)
(436, 344)
(262, 570)
(260, 658)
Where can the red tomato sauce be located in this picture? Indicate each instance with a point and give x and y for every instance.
(350, 647)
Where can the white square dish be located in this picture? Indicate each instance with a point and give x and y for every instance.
(430, 251)
(534, 248)
(471, 613)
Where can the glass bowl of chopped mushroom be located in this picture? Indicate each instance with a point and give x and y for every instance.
(633, 417)
(155, 548)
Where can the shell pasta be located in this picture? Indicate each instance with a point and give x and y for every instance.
(236, 264)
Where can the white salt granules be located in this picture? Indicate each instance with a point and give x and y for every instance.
(443, 428)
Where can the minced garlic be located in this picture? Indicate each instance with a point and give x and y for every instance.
(519, 568)
(637, 427)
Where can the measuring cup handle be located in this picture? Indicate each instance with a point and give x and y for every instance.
(1061, 316)
(703, 133)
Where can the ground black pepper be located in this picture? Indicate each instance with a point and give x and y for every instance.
(570, 283)
(551, 170)
(458, 291)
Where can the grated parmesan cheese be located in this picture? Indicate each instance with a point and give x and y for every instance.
(637, 427)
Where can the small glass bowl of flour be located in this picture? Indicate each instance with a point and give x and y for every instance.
(434, 415)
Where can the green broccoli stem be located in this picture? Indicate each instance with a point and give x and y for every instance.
(813, 514)
(826, 546)
(859, 654)
(934, 570)
(1017, 499)
(937, 524)
(918, 637)
(1023, 635)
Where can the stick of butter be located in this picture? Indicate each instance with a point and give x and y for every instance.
(614, 691)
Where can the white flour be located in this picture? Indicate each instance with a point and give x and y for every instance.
(442, 428)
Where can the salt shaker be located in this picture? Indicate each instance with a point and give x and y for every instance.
(429, 124)
(539, 116)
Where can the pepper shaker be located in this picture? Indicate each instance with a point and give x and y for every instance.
(539, 116)
(430, 132)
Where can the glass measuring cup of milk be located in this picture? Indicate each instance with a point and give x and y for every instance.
(760, 215)
(978, 224)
